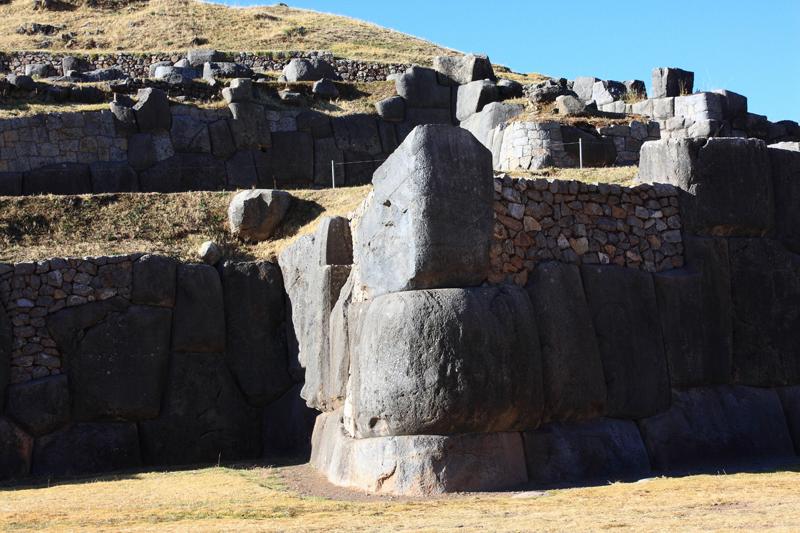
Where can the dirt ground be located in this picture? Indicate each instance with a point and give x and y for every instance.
(295, 498)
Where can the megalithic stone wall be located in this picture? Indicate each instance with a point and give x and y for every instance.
(599, 371)
(125, 361)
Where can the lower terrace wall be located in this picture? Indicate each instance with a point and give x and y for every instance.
(138, 65)
(119, 362)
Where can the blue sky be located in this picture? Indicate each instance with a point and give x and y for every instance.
(748, 46)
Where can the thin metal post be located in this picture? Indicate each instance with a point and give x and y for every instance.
(333, 174)
(580, 151)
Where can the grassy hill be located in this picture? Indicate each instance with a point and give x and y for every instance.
(164, 25)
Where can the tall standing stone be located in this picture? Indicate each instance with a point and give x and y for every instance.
(668, 81)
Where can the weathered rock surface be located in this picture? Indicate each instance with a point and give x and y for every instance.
(202, 406)
(87, 449)
(113, 176)
(309, 70)
(473, 96)
(152, 110)
(255, 320)
(786, 182)
(6, 338)
(254, 215)
(717, 427)
(625, 316)
(790, 400)
(154, 278)
(460, 70)
(447, 361)
(429, 223)
(325, 88)
(569, 105)
(604, 449)
(287, 425)
(198, 321)
(417, 465)
(482, 124)
(420, 87)
(669, 81)
(60, 178)
(40, 406)
(16, 448)
(574, 384)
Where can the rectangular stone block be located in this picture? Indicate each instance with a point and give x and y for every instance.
(790, 400)
(700, 106)
(786, 182)
(199, 318)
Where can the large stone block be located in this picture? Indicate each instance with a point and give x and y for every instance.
(392, 109)
(419, 465)
(147, 149)
(87, 449)
(700, 106)
(154, 278)
(205, 417)
(61, 178)
(583, 86)
(669, 81)
(256, 214)
(6, 338)
(249, 126)
(726, 183)
(221, 139)
(118, 369)
(199, 318)
(460, 70)
(152, 110)
(421, 88)
(357, 133)
(201, 172)
(287, 425)
(473, 96)
(40, 406)
(786, 182)
(429, 223)
(572, 371)
(603, 450)
(734, 105)
(325, 152)
(790, 400)
(447, 361)
(11, 183)
(254, 320)
(765, 285)
(313, 69)
(16, 448)
(717, 427)
(625, 316)
(190, 134)
(113, 176)
(290, 161)
(482, 125)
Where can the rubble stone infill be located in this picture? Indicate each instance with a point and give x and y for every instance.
(573, 222)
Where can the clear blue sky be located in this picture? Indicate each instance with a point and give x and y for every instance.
(748, 46)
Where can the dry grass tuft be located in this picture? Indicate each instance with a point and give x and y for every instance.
(36, 227)
(618, 175)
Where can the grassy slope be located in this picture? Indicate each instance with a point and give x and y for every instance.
(159, 25)
(222, 499)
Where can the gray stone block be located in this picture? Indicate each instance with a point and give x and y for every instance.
(199, 316)
(87, 449)
(463, 69)
(509, 89)
(325, 151)
(201, 172)
(420, 88)
(40, 406)
(221, 139)
(482, 124)
(225, 69)
(574, 385)
(429, 223)
(163, 177)
(786, 183)
(190, 134)
(16, 448)
(765, 283)
(607, 91)
(316, 123)
(392, 109)
(357, 133)
(249, 126)
(146, 149)
(600, 450)
(204, 407)
(473, 96)
(625, 316)
(154, 278)
(61, 178)
(313, 69)
(287, 425)
(447, 361)
(254, 215)
(256, 351)
(422, 465)
(241, 171)
(583, 86)
(336, 243)
(718, 427)
(290, 161)
(152, 110)
(6, 339)
(733, 104)
(197, 57)
(113, 176)
(668, 81)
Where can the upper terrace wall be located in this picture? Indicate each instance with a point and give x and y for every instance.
(138, 65)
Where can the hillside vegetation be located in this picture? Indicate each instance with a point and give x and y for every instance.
(165, 25)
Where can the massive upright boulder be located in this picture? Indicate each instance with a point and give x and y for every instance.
(429, 220)
(670, 81)
(461, 70)
(313, 69)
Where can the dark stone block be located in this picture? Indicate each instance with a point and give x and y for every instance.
(249, 126)
(717, 427)
(164, 177)
(317, 124)
(152, 110)
(359, 167)
(10, 183)
(420, 87)
(110, 176)
(40, 406)
(287, 425)
(388, 136)
(87, 449)
(710, 257)
(625, 315)
(154, 278)
(120, 365)
(16, 448)
(255, 323)
(290, 161)
(67, 326)
(199, 317)
(222, 143)
(325, 151)
(190, 135)
(603, 449)
(786, 181)
(241, 171)
(201, 172)
(205, 417)
(790, 400)
(765, 283)
(357, 133)
(63, 178)
(574, 384)
(6, 338)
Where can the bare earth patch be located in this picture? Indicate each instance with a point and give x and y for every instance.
(268, 499)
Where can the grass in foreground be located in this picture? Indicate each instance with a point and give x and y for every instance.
(619, 175)
(163, 25)
(36, 227)
(223, 499)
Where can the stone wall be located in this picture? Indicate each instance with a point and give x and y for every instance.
(120, 362)
(137, 65)
(536, 221)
